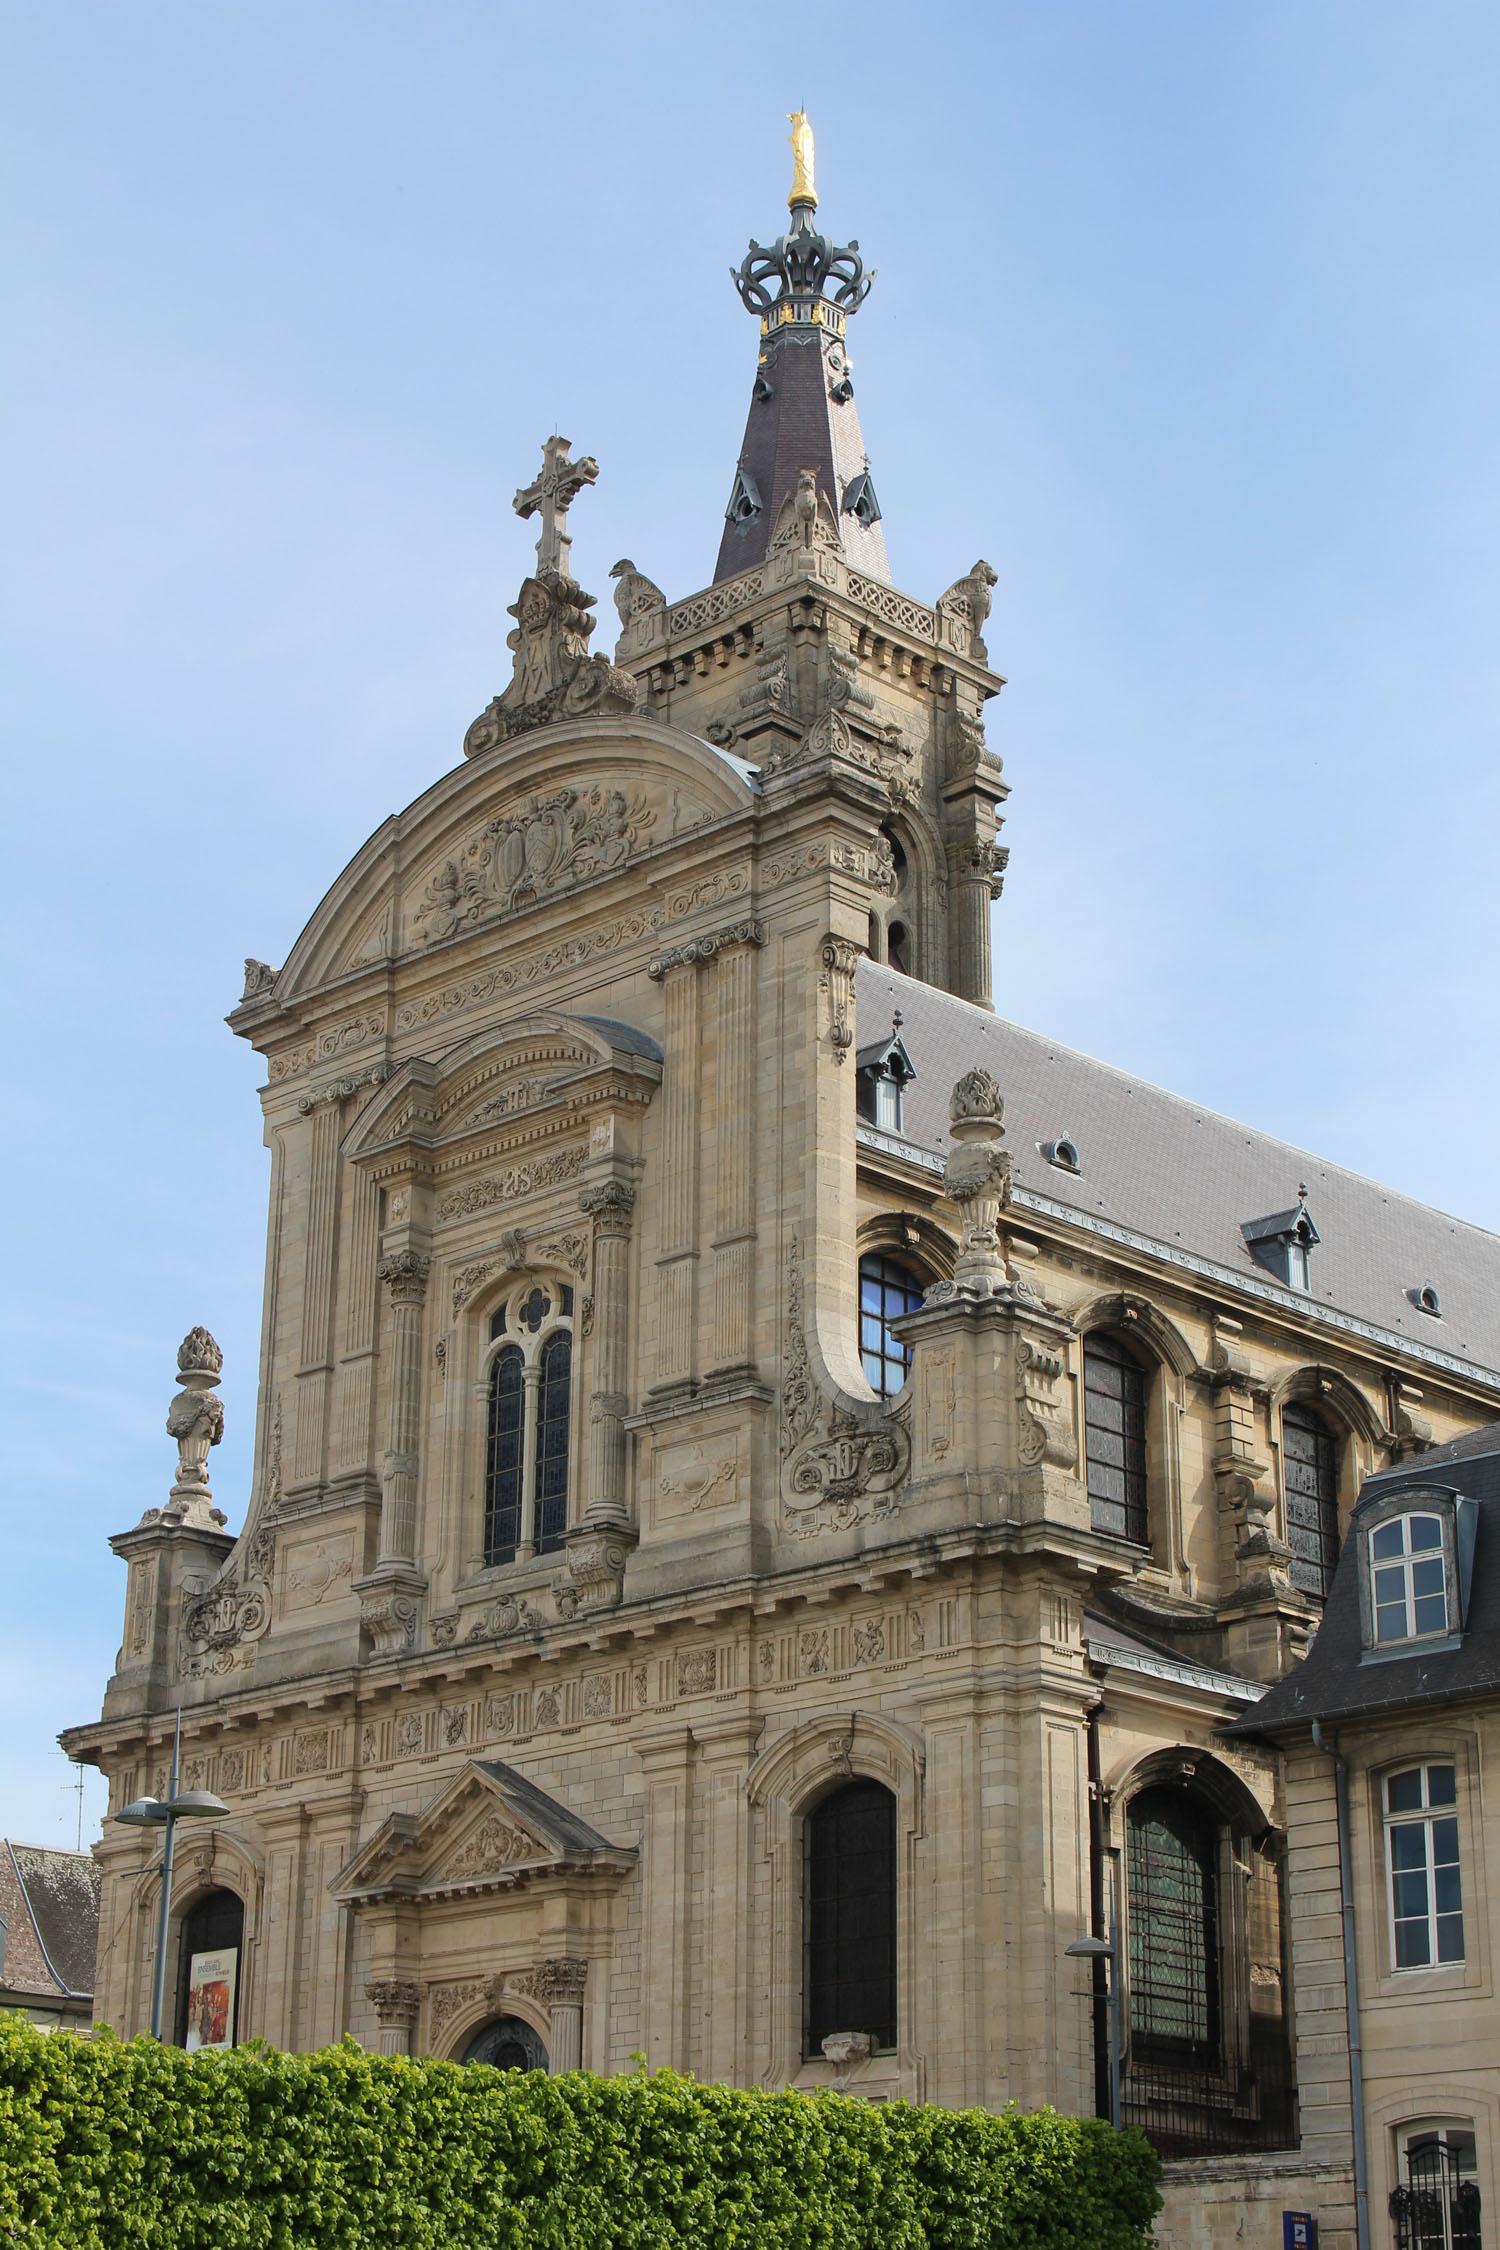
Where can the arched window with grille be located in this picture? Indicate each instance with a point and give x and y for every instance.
(1115, 1387)
(1172, 1890)
(506, 2043)
(849, 1905)
(1310, 1471)
(887, 1289)
(529, 1381)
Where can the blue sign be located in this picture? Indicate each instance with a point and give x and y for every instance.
(1299, 2231)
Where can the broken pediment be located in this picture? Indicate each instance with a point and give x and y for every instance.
(489, 1827)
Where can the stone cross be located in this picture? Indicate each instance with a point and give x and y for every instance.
(551, 495)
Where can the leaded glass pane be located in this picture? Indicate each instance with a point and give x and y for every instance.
(553, 1404)
(1114, 1415)
(1310, 1463)
(502, 1497)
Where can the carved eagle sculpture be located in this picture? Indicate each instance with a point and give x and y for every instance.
(634, 592)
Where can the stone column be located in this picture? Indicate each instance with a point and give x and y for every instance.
(396, 2001)
(678, 1260)
(316, 1354)
(559, 1983)
(734, 1143)
(969, 919)
(599, 1546)
(388, 1597)
(610, 1206)
(405, 1276)
(666, 1936)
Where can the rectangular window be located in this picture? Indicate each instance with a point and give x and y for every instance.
(1427, 1922)
(1408, 1578)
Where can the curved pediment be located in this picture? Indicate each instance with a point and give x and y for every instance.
(500, 1075)
(526, 826)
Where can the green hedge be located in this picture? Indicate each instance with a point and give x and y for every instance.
(106, 2143)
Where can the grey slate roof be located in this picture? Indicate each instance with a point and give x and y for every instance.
(50, 1900)
(556, 1822)
(1331, 1682)
(1187, 1179)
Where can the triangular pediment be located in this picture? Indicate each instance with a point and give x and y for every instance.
(489, 1825)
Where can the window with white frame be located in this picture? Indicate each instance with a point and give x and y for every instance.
(529, 1382)
(1408, 1578)
(1426, 1894)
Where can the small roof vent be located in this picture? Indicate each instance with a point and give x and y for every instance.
(1063, 1152)
(1427, 1300)
(1284, 1241)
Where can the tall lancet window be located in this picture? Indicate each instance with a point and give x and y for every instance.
(530, 1387)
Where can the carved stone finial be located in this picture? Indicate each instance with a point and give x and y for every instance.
(975, 1102)
(977, 1177)
(195, 1419)
(198, 1354)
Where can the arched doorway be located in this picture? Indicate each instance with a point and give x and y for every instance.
(210, 1948)
(506, 2044)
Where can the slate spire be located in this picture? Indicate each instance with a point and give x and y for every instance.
(802, 413)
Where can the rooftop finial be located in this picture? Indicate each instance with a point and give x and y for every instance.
(552, 494)
(801, 138)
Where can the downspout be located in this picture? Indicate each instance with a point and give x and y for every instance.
(1098, 1920)
(1351, 1988)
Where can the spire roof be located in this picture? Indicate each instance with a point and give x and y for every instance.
(803, 288)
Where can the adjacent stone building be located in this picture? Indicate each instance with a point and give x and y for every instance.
(1391, 1734)
(770, 1479)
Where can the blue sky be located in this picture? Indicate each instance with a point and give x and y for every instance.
(1186, 319)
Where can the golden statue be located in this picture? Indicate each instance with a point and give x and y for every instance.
(801, 139)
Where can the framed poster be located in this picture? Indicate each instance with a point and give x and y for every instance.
(212, 1978)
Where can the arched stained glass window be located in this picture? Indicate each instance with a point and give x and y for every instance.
(850, 1915)
(552, 1442)
(530, 1416)
(1114, 1425)
(1311, 1470)
(502, 1498)
(1172, 1897)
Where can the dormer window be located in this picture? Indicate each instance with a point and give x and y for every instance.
(1283, 1243)
(882, 1074)
(1427, 1300)
(1409, 1578)
(1063, 1153)
(1416, 1570)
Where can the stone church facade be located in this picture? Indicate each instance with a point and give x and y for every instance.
(770, 1479)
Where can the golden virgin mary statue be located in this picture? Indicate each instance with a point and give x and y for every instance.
(801, 139)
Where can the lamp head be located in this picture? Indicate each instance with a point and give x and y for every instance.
(1090, 1949)
(144, 1812)
(197, 1804)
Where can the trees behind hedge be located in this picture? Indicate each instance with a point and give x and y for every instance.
(106, 2143)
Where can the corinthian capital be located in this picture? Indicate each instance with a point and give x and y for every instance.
(609, 1205)
(405, 1273)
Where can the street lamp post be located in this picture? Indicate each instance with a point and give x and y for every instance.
(1107, 1951)
(164, 1813)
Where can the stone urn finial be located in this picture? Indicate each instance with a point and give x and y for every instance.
(195, 1419)
(977, 1177)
